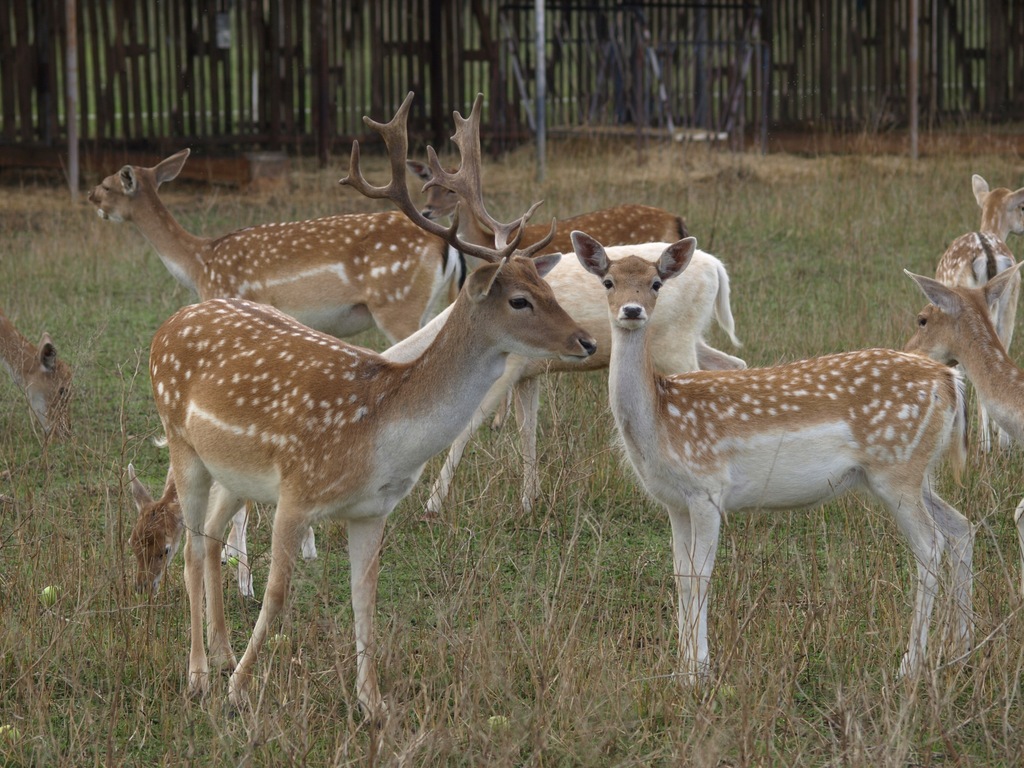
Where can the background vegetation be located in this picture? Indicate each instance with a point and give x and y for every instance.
(561, 621)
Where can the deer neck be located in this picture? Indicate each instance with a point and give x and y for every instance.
(436, 394)
(997, 380)
(633, 391)
(179, 250)
(17, 353)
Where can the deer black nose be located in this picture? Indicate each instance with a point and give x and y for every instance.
(589, 346)
(632, 312)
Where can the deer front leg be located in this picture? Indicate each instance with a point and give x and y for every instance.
(694, 542)
(705, 526)
(289, 527)
(198, 664)
(224, 506)
(238, 545)
(364, 542)
(309, 545)
(1018, 519)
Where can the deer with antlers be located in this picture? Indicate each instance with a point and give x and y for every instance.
(957, 328)
(678, 333)
(278, 412)
(707, 443)
(41, 375)
(976, 257)
(338, 274)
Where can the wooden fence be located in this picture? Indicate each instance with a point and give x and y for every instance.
(232, 75)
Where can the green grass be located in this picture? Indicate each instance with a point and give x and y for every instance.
(562, 621)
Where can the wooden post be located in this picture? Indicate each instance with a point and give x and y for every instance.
(912, 85)
(541, 87)
(71, 94)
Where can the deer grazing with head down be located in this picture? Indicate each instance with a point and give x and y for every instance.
(277, 412)
(678, 343)
(707, 443)
(976, 257)
(158, 530)
(957, 328)
(41, 375)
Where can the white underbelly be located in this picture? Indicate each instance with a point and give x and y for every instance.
(788, 471)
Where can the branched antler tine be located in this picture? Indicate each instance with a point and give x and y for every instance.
(534, 248)
(395, 136)
(466, 181)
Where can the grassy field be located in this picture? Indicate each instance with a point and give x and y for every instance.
(562, 621)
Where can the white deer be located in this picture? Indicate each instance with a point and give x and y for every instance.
(976, 257)
(708, 443)
(274, 411)
(677, 334)
(40, 374)
(957, 328)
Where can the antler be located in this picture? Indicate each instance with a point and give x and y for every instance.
(396, 140)
(466, 181)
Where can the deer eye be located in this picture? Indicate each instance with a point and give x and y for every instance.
(518, 302)
(608, 284)
(922, 321)
(656, 286)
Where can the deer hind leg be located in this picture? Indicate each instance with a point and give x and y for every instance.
(926, 543)
(289, 528)
(223, 507)
(959, 536)
(694, 544)
(527, 399)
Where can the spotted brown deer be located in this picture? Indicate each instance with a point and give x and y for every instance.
(280, 413)
(339, 274)
(707, 443)
(677, 334)
(976, 257)
(41, 375)
(957, 328)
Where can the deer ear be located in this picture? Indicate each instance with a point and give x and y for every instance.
(996, 287)
(590, 253)
(676, 257)
(546, 263)
(139, 492)
(980, 187)
(937, 293)
(170, 167)
(47, 354)
(481, 280)
(419, 170)
(129, 183)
